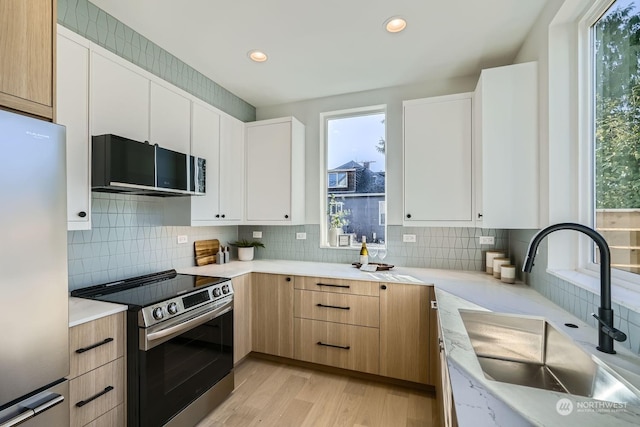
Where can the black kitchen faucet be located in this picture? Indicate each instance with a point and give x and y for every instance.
(606, 332)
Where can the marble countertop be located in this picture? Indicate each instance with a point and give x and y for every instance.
(85, 310)
(480, 401)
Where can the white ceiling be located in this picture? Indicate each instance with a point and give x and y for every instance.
(330, 47)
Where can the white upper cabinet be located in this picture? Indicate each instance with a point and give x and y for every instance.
(275, 171)
(72, 101)
(506, 132)
(232, 174)
(205, 143)
(218, 138)
(169, 119)
(438, 161)
(119, 99)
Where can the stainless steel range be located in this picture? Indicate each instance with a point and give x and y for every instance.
(179, 344)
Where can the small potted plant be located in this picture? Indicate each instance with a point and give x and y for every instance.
(337, 220)
(246, 248)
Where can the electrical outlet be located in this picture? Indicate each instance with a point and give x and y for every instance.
(301, 236)
(487, 240)
(409, 238)
(183, 239)
(257, 234)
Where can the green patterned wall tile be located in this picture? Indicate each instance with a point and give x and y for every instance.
(93, 23)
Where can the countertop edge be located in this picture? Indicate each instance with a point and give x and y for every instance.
(83, 310)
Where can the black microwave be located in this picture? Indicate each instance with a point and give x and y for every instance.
(122, 165)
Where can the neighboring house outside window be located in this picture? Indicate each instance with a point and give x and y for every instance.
(363, 198)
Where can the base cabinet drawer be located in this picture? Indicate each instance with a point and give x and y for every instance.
(342, 286)
(95, 343)
(334, 344)
(96, 392)
(113, 418)
(359, 310)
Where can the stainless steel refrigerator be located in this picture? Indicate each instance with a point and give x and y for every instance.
(34, 325)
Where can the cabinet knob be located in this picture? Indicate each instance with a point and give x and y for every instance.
(218, 216)
(222, 215)
(383, 287)
(288, 279)
(408, 215)
(82, 214)
(479, 215)
(286, 216)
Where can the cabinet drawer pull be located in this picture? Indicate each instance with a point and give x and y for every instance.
(334, 286)
(333, 306)
(91, 347)
(106, 390)
(343, 347)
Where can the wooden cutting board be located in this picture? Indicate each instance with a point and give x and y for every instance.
(206, 251)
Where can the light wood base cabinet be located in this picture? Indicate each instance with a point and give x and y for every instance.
(272, 314)
(241, 316)
(404, 332)
(96, 392)
(334, 344)
(339, 308)
(97, 372)
(338, 286)
(114, 417)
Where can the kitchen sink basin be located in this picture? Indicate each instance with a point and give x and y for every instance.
(531, 352)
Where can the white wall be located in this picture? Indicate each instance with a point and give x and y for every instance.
(553, 42)
(536, 48)
(308, 112)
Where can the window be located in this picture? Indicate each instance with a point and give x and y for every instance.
(615, 133)
(338, 180)
(353, 198)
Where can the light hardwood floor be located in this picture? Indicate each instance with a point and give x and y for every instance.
(274, 394)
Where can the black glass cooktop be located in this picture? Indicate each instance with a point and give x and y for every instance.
(143, 291)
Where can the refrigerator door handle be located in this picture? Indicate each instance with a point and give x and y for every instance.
(34, 409)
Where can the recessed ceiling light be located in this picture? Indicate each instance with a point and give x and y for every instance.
(395, 24)
(257, 56)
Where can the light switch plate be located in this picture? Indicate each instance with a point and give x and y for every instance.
(257, 234)
(301, 236)
(487, 240)
(183, 239)
(409, 238)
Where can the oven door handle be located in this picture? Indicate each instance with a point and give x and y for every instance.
(175, 330)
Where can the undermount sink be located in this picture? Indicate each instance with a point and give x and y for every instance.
(531, 352)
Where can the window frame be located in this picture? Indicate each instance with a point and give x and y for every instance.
(337, 174)
(586, 111)
(382, 211)
(324, 175)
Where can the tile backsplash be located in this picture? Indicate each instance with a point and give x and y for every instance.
(435, 247)
(128, 239)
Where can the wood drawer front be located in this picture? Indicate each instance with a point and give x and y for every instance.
(99, 341)
(363, 344)
(341, 286)
(357, 310)
(113, 418)
(91, 385)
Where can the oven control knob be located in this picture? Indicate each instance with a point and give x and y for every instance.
(217, 292)
(157, 313)
(225, 289)
(172, 308)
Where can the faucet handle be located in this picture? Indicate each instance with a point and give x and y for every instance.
(610, 330)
